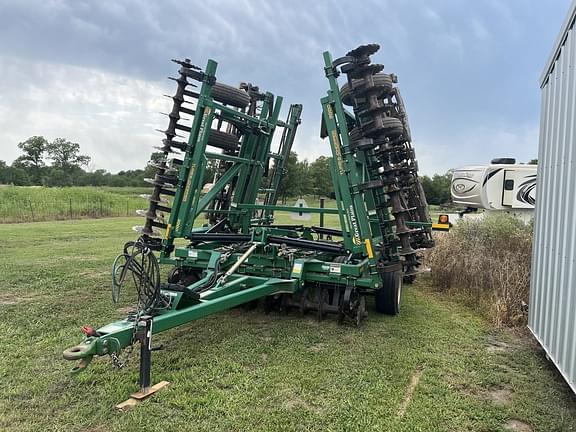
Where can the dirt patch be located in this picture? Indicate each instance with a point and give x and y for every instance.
(10, 300)
(95, 429)
(499, 396)
(124, 311)
(496, 347)
(410, 391)
(297, 403)
(94, 274)
(458, 384)
(317, 347)
(517, 426)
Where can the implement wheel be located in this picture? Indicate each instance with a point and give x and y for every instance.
(388, 297)
(409, 279)
(223, 140)
(183, 276)
(382, 80)
(230, 95)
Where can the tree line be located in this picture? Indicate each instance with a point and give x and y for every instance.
(314, 178)
(60, 163)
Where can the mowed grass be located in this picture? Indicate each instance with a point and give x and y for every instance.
(247, 371)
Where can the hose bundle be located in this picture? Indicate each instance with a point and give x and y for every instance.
(139, 263)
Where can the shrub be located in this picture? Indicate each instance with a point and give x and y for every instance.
(488, 262)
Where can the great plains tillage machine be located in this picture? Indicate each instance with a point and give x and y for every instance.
(222, 244)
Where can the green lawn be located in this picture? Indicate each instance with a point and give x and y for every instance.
(246, 371)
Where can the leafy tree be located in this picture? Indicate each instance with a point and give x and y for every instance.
(437, 188)
(32, 161)
(303, 181)
(66, 155)
(533, 162)
(67, 162)
(17, 176)
(289, 179)
(34, 149)
(321, 177)
(99, 177)
(4, 172)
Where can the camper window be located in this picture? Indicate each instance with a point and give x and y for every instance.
(509, 185)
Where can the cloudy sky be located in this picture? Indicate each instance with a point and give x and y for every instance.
(94, 71)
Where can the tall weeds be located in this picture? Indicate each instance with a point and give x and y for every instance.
(486, 261)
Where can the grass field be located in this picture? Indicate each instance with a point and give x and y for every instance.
(33, 204)
(246, 371)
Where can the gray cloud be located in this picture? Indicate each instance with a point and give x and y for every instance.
(92, 71)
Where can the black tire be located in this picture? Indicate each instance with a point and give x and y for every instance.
(183, 276)
(409, 279)
(355, 134)
(223, 140)
(380, 79)
(230, 95)
(391, 127)
(388, 298)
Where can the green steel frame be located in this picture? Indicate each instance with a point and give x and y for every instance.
(266, 260)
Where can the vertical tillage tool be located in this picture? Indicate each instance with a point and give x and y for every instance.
(233, 253)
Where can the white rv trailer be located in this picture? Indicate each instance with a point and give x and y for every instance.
(502, 186)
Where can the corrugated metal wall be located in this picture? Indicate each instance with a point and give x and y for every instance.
(552, 316)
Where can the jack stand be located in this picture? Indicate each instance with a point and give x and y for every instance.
(145, 337)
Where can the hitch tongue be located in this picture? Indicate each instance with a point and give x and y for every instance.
(84, 352)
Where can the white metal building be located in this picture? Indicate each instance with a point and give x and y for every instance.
(552, 316)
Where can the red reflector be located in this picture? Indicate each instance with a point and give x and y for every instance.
(88, 330)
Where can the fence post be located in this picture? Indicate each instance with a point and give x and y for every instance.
(322, 200)
(127, 211)
(70, 206)
(101, 213)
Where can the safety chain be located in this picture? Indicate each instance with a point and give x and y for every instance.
(116, 360)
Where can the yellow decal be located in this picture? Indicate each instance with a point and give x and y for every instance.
(168, 228)
(202, 130)
(188, 182)
(369, 248)
(330, 112)
(338, 150)
(440, 227)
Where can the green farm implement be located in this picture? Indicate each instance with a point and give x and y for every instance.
(211, 211)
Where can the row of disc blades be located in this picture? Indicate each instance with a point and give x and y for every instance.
(383, 133)
(168, 157)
